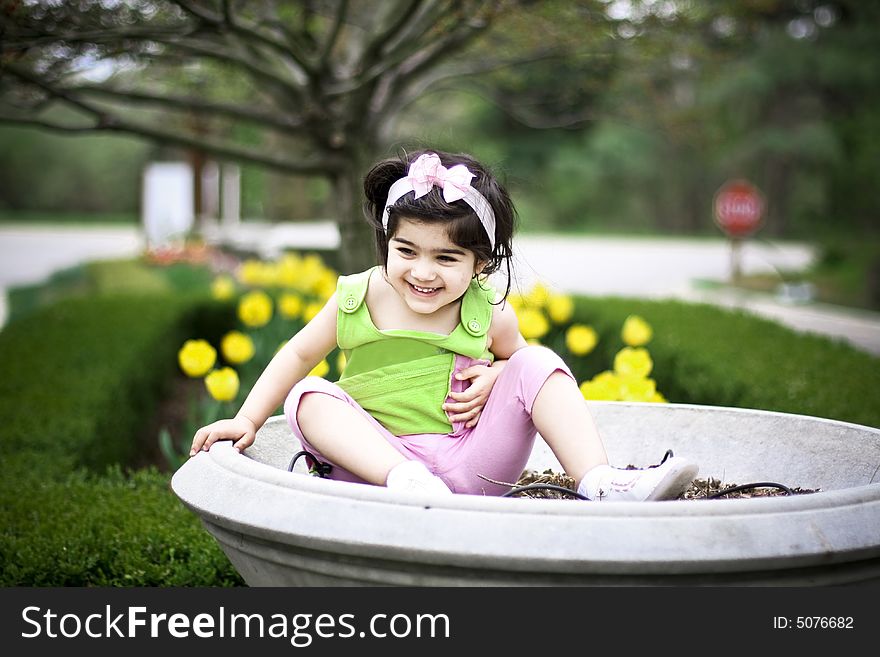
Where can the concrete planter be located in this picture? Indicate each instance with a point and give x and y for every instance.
(291, 529)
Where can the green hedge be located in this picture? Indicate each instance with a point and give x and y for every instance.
(81, 379)
(132, 276)
(708, 355)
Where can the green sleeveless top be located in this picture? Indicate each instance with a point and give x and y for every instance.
(402, 377)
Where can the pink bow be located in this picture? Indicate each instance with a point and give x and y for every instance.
(427, 171)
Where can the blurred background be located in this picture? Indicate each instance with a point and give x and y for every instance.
(606, 118)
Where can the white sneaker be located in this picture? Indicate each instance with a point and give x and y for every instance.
(414, 477)
(663, 482)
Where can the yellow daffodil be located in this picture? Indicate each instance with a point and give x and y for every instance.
(237, 347)
(636, 331)
(517, 302)
(257, 273)
(222, 384)
(196, 357)
(313, 262)
(255, 309)
(222, 288)
(290, 270)
(605, 386)
(341, 360)
(533, 323)
(321, 369)
(310, 271)
(290, 305)
(538, 296)
(638, 389)
(560, 307)
(633, 361)
(580, 339)
(325, 285)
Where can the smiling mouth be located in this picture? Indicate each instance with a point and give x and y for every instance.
(427, 291)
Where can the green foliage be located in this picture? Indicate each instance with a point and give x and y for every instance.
(117, 529)
(783, 93)
(43, 171)
(103, 277)
(706, 355)
(82, 374)
(125, 277)
(82, 379)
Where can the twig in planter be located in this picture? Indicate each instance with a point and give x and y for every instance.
(493, 481)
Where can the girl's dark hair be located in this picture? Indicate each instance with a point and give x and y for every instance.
(462, 224)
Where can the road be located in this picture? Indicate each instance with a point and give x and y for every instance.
(629, 267)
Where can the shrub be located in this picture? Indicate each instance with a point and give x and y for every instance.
(707, 355)
(80, 381)
(116, 529)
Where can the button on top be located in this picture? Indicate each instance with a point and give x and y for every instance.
(474, 325)
(350, 302)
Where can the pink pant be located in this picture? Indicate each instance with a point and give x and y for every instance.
(497, 447)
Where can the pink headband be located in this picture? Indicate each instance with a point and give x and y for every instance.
(455, 182)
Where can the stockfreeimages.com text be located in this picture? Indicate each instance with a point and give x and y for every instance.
(300, 629)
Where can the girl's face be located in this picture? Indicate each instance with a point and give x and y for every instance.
(425, 268)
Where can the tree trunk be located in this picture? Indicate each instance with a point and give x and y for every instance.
(197, 162)
(357, 242)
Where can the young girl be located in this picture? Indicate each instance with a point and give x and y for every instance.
(440, 391)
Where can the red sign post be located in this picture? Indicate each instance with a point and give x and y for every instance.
(739, 209)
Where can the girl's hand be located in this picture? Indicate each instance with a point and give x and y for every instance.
(239, 429)
(469, 403)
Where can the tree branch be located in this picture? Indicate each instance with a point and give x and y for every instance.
(371, 53)
(59, 94)
(219, 149)
(98, 37)
(251, 67)
(333, 36)
(427, 15)
(414, 47)
(227, 22)
(470, 70)
(186, 103)
(410, 71)
(174, 39)
(108, 121)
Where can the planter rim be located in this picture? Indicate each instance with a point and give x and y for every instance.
(273, 506)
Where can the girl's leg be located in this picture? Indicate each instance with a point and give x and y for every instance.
(562, 418)
(343, 436)
(335, 429)
(499, 446)
(537, 392)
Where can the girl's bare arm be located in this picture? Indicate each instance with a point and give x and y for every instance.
(292, 362)
(504, 332)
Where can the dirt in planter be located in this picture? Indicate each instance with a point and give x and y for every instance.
(700, 489)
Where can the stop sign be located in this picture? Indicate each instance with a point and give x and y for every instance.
(739, 208)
